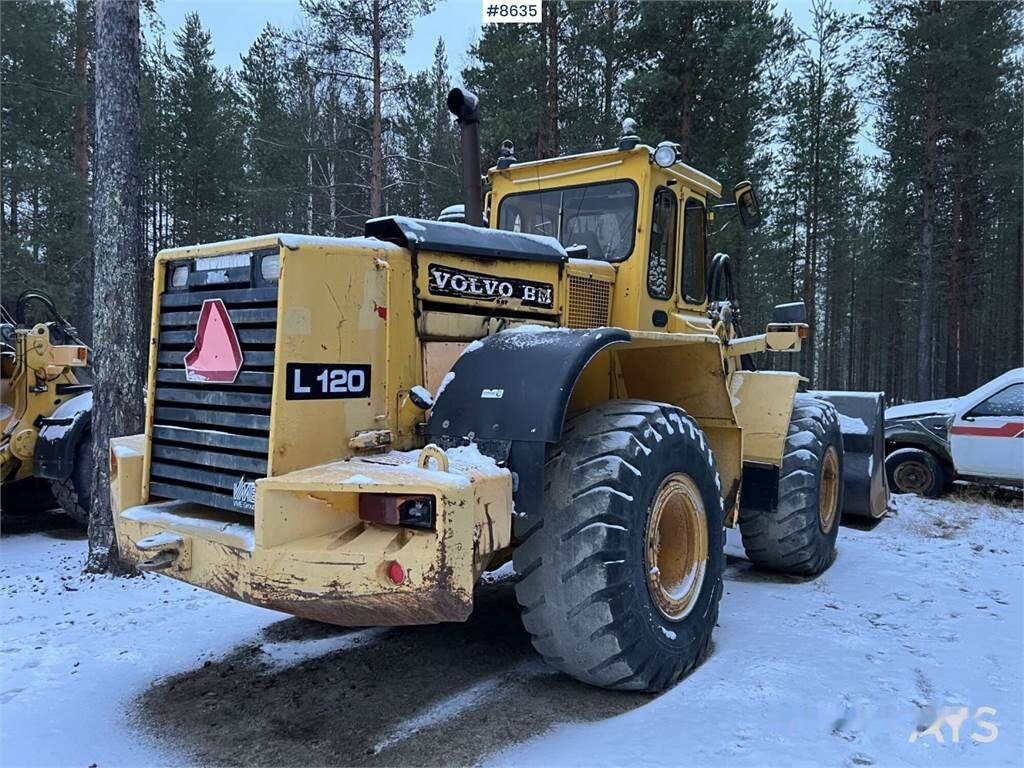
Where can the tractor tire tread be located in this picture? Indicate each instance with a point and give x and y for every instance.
(786, 536)
(578, 586)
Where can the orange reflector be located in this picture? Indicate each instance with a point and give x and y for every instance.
(803, 331)
(396, 572)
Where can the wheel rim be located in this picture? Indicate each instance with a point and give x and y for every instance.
(676, 547)
(912, 477)
(828, 500)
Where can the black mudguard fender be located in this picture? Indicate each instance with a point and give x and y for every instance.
(59, 435)
(862, 422)
(509, 393)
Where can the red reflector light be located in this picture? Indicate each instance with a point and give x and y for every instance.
(396, 572)
(388, 509)
(217, 355)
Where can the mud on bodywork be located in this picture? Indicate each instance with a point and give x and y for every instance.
(306, 552)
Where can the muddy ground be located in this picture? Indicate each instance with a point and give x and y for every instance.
(448, 694)
(88, 662)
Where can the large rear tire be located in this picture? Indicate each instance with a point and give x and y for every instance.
(73, 492)
(621, 571)
(797, 533)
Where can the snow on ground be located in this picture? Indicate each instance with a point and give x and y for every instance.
(923, 611)
(74, 648)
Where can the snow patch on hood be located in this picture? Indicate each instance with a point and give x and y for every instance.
(924, 408)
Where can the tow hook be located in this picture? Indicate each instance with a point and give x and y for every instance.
(165, 545)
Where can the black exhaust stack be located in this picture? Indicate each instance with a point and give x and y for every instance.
(466, 108)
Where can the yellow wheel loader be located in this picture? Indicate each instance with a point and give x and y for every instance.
(45, 411)
(353, 430)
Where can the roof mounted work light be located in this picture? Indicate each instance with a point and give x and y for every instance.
(666, 154)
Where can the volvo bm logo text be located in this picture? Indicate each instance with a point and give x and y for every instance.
(473, 285)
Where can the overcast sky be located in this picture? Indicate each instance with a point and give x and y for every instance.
(234, 24)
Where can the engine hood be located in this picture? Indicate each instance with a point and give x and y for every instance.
(464, 240)
(924, 408)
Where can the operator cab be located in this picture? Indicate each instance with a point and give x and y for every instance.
(637, 208)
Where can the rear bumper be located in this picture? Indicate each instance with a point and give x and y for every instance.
(306, 552)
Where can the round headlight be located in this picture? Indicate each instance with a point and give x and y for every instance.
(666, 154)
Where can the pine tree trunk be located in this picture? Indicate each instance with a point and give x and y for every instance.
(35, 224)
(687, 93)
(309, 159)
(332, 178)
(549, 136)
(925, 314)
(608, 75)
(376, 130)
(953, 298)
(12, 221)
(794, 252)
(80, 115)
(1018, 316)
(808, 297)
(119, 338)
(811, 268)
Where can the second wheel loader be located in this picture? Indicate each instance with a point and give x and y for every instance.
(45, 411)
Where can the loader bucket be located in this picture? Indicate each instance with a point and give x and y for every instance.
(861, 420)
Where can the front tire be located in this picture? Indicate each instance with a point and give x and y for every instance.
(621, 571)
(797, 534)
(73, 493)
(913, 470)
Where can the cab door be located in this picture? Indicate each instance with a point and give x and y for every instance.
(987, 438)
(662, 257)
(693, 272)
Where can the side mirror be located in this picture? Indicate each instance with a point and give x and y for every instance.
(789, 314)
(746, 204)
(788, 327)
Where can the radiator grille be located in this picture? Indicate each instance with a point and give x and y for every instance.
(589, 302)
(208, 436)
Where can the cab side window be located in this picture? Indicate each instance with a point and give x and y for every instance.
(695, 247)
(1005, 402)
(661, 262)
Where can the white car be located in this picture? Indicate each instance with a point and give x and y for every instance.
(978, 437)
